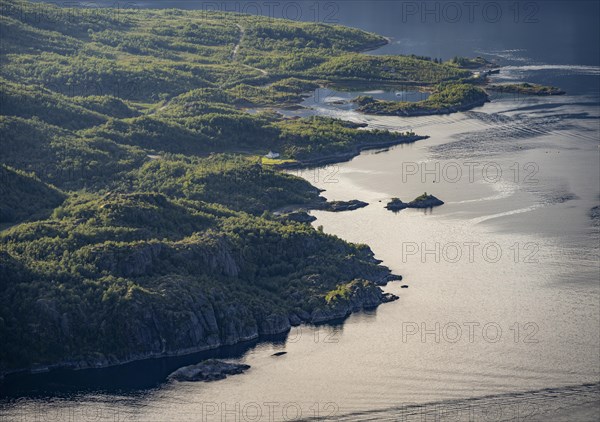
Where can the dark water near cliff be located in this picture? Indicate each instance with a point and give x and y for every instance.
(501, 320)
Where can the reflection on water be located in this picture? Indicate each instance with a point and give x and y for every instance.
(337, 98)
(503, 297)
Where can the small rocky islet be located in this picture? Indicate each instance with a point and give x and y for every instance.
(422, 201)
(208, 370)
(338, 206)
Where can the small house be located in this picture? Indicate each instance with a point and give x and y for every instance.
(272, 154)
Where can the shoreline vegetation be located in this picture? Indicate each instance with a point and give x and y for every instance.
(525, 88)
(445, 99)
(138, 215)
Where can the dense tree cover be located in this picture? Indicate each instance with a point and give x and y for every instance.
(302, 138)
(153, 54)
(238, 182)
(79, 284)
(396, 69)
(446, 98)
(62, 157)
(29, 101)
(123, 229)
(25, 197)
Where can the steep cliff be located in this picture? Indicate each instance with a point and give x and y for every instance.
(128, 276)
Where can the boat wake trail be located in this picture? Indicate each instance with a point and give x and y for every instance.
(505, 134)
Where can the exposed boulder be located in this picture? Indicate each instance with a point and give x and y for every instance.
(389, 297)
(208, 370)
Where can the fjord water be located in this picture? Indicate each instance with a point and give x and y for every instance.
(502, 315)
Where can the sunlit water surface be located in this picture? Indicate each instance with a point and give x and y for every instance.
(501, 317)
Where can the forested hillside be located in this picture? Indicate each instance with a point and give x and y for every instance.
(136, 213)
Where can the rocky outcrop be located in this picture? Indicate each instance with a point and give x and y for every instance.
(425, 201)
(389, 297)
(396, 205)
(353, 297)
(215, 254)
(337, 206)
(274, 324)
(209, 370)
(126, 261)
(299, 217)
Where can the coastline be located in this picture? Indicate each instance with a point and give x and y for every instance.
(323, 316)
(346, 156)
(433, 112)
(339, 312)
(278, 327)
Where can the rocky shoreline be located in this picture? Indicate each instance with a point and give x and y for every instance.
(346, 156)
(366, 295)
(208, 370)
(416, 112)
(525, 88)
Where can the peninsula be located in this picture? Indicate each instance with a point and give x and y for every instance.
(138, 216)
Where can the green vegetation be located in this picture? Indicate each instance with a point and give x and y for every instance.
(469, 63)
(112, 277)
(302, 139)
(136, 212)
(446, 98)
(526, 89)
(340, 292)
(389, 69)
(24, 196)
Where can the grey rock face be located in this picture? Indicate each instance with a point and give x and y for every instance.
(363, 295)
